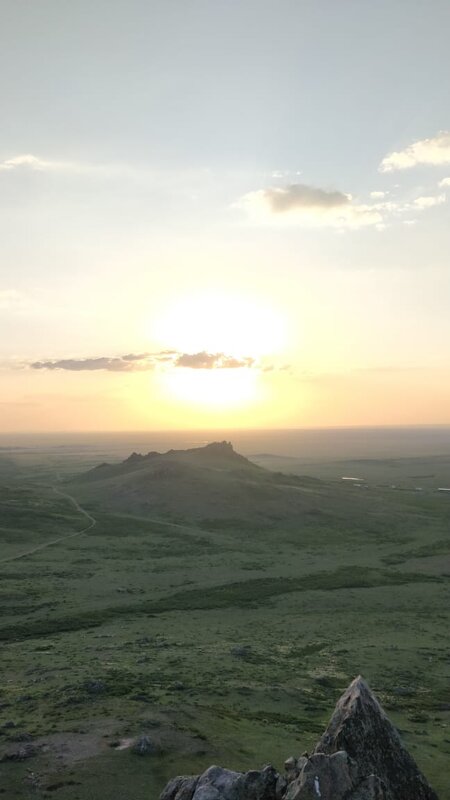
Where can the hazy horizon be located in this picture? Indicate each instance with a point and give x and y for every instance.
(306, 444)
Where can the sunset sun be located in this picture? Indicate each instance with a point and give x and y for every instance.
(225, 341)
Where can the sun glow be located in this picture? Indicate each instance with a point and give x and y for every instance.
(213, 388)
(221, 323)
(215, 323)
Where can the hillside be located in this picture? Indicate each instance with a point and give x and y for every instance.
(216, 609)
(211, 482)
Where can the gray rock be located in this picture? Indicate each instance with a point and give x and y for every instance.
(207, 792)
(361, 728)
(280, 787)
(372, 788)
(359, 757)
(22, 737)
(241, 651)
(327, 777)
(95, 687)
(403, 691)
(260, 785)
(222, 781)
(292, 770)
(224, 784)
(181, 788)
(27, 751)
(301, 761)
(144, 746)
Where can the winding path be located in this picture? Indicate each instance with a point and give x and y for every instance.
(79, 508)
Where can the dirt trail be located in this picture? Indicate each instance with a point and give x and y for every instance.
(39, 547)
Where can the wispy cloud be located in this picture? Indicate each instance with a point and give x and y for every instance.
(27, 161)
(92, 364)
(185, 181)
(298, 203)
(396, 210)
(434, 151)
(142, 362)
(428, 201)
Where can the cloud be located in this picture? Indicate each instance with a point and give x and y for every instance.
(187, 182)
(298, 195)
(206, 360)
(29, 162)
(395, 211)
(135, 356)
(429, 201)
(89, 364)
(444, 182)
(434, 151)
(298, 203)
(378, 195)
(142, 362)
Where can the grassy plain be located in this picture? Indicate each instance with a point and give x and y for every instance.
(224, 640)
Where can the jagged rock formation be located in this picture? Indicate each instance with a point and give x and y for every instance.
(359, 757)
(361, 728)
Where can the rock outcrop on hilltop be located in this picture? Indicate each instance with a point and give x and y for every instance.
(359, 757)
(211, 485)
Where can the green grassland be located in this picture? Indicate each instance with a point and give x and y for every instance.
(225, 639)
(420, 472)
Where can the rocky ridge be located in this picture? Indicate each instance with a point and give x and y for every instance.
(359, 757)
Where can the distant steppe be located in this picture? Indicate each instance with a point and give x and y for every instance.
(216, 607)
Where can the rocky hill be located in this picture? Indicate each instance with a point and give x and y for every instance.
(359, 757)
(199, 483)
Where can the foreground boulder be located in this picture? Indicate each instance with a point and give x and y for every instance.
(323, 776)
(181, 788)
(359, 757)
(361, 728)
(224, 784)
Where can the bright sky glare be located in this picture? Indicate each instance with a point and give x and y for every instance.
(231, 214)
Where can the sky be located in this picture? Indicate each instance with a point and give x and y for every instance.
(224, 213)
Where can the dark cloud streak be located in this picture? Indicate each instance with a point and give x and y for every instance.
(206, 360)
(141, 362)
(86, 364)
(297, 195)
